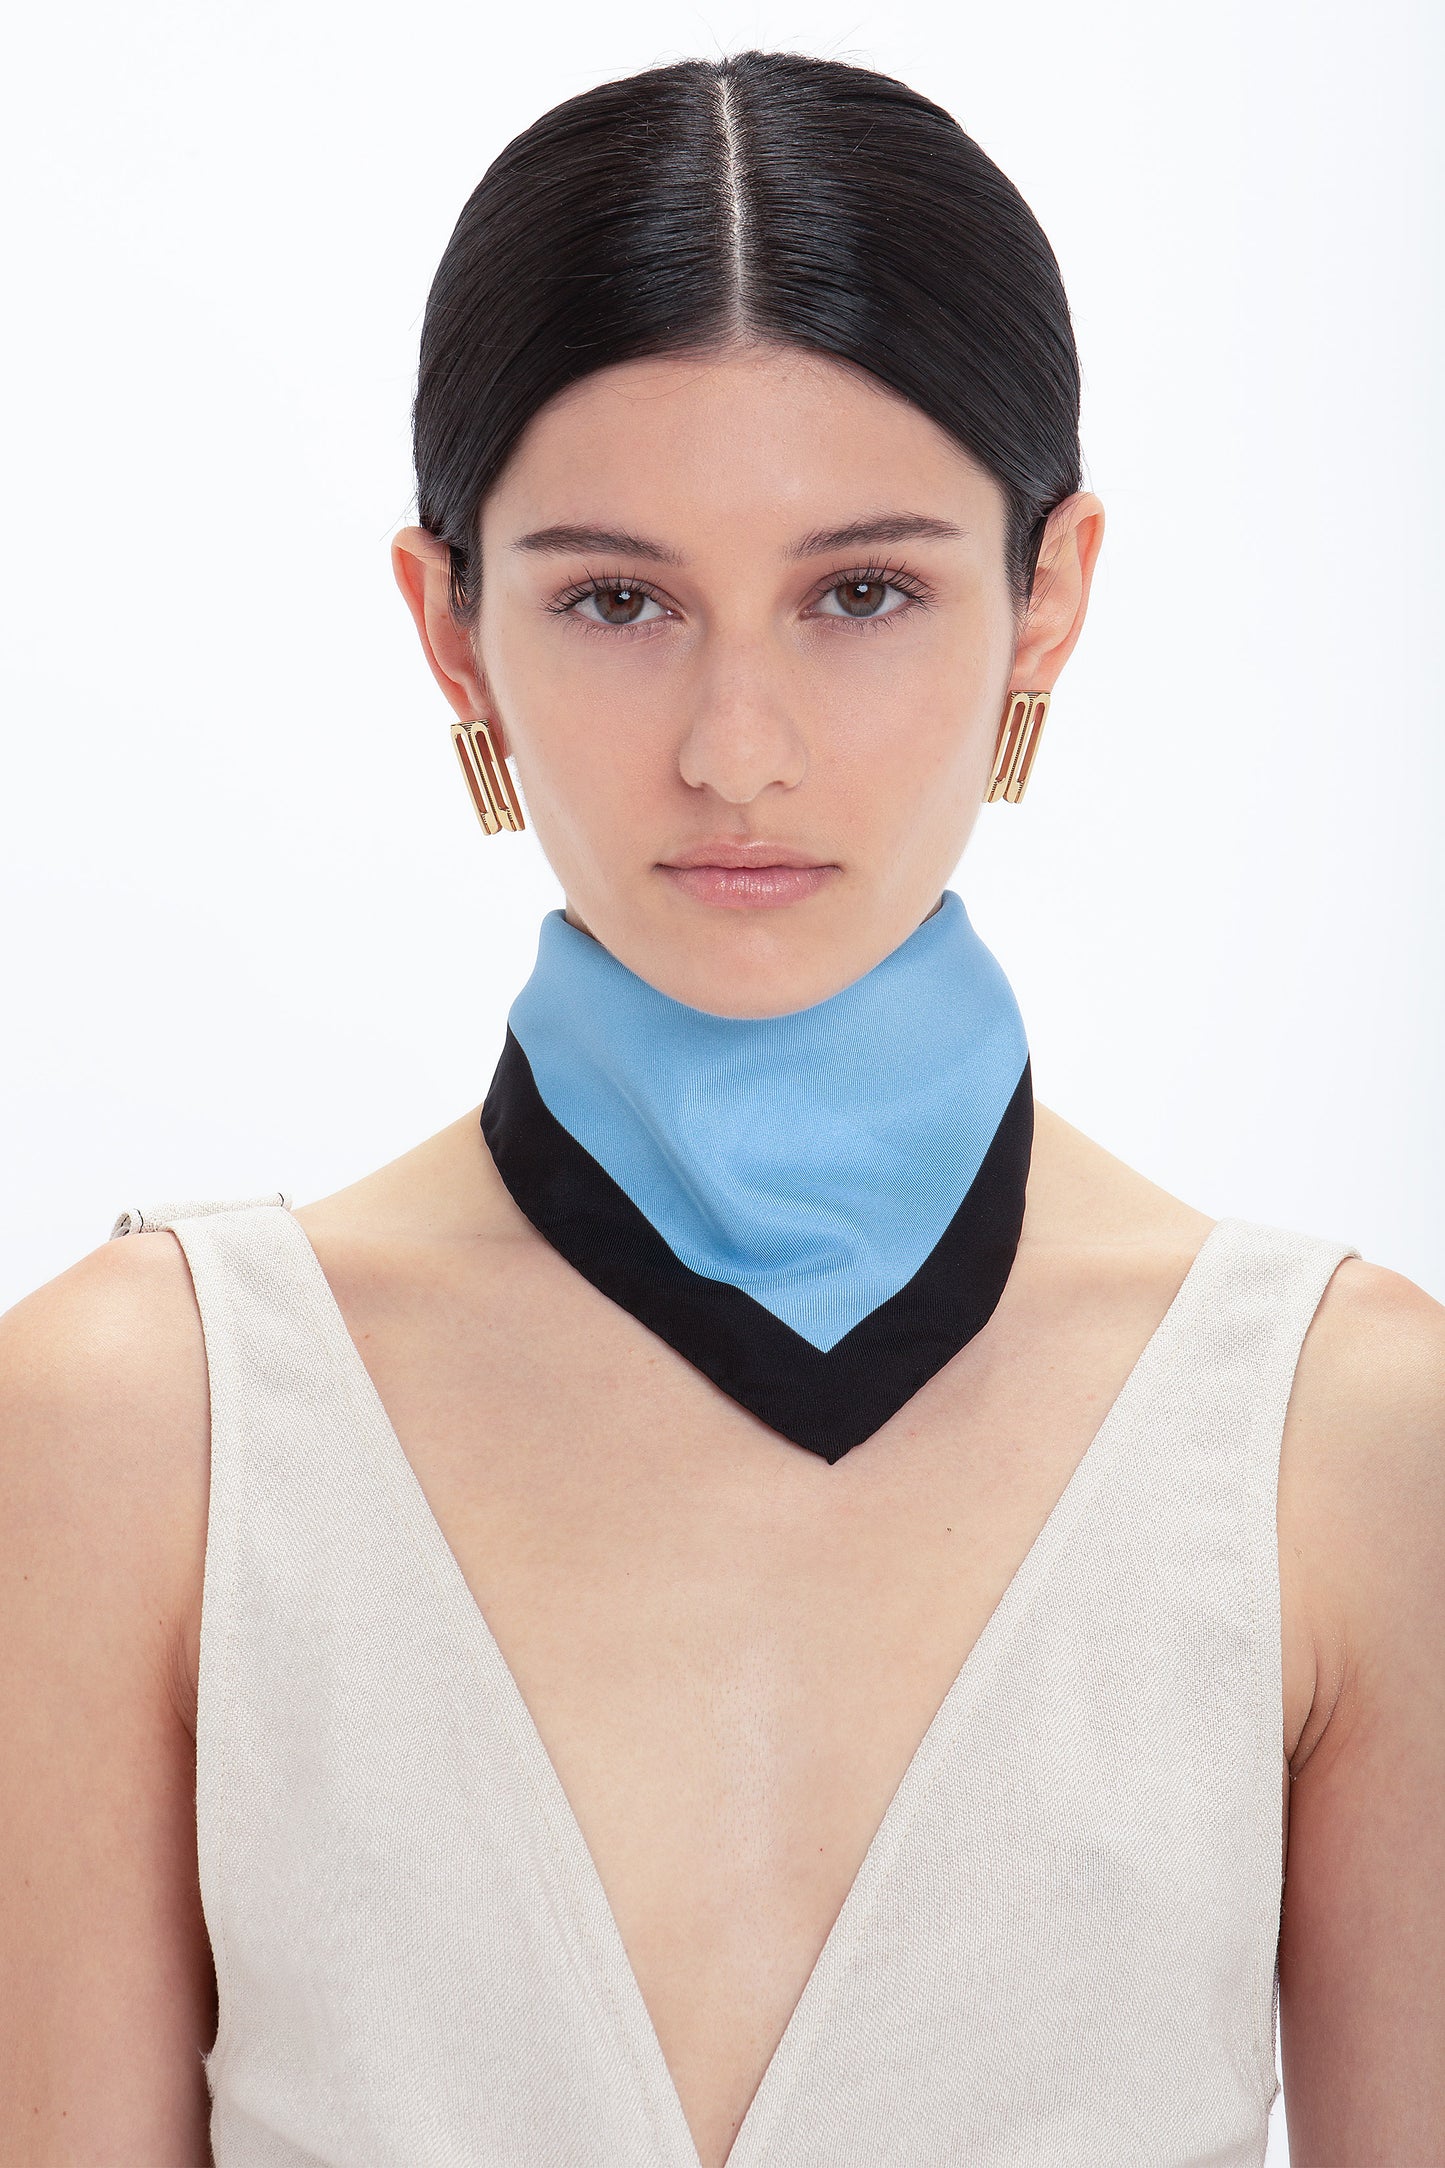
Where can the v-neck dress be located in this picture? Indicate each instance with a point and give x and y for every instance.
(1059, 1952)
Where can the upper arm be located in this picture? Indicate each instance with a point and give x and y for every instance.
(1362, 1939)
(106, 1986)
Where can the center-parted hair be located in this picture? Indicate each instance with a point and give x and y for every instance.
(768, 196)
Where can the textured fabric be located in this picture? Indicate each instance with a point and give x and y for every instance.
(812, 1159)
(1059, 1951)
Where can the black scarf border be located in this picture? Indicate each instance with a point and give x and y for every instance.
(826, 1402)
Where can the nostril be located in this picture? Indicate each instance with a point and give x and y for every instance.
(739, 761)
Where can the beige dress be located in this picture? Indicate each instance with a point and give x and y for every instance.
(1059, 1952)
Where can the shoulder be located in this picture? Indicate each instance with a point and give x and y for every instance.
(115, 1334)
(1367, 1430)
(1370, 1387)
(104, 1433)
(1376, 1349)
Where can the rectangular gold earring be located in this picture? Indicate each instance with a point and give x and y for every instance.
(491, 788)
(1010, 738)
(1018, 779)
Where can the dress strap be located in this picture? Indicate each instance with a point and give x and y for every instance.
(147, 1220)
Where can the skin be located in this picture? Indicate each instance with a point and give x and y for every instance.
(730, 1650)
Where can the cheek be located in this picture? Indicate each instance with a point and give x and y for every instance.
(593, 751)
(931, 676)
(918, 718)
(596, 773)
(560, 721)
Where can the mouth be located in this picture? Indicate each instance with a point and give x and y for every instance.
(750, 875)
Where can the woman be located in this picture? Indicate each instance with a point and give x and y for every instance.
(765, 1600)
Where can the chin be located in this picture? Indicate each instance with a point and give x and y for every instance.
(740, 962)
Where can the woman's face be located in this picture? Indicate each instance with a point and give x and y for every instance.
(751, 607)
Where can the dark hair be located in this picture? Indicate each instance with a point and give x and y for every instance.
(767, 195)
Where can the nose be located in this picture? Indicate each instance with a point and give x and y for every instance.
(741, 737)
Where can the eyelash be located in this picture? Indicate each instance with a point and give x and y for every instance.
(887, 575)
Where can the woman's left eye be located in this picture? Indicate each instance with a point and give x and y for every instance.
(864, 598)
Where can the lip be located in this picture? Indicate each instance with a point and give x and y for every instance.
(755, 852)
(749, 876)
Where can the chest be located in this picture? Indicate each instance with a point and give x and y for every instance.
(732, 1651)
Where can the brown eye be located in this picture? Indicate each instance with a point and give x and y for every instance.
(864, 598)
(616, 605)
(861, 598)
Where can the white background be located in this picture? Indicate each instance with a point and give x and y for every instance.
(253, 936)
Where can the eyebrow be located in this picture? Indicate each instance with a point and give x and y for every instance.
(859, 533)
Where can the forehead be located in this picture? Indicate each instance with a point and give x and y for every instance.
(758, 437)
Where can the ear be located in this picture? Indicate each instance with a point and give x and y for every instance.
(422, 564)
(1070, 550)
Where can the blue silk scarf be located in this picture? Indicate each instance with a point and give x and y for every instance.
(818, 1209)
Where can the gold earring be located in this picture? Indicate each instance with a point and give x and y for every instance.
(1018, 742)
(493, 792)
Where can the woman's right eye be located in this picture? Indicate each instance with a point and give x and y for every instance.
(616, 605)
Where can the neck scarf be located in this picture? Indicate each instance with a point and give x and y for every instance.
(817, 1209)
